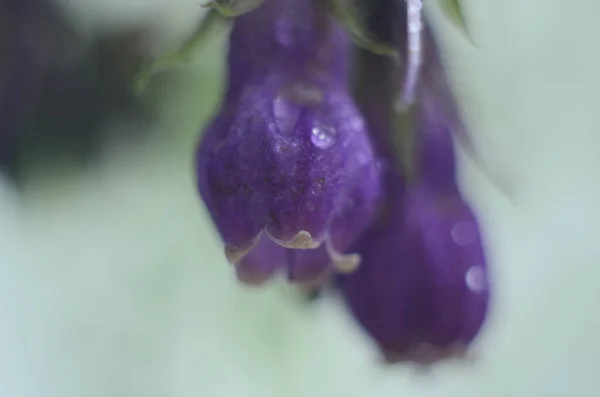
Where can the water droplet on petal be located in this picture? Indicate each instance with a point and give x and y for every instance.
(323, 136)
(475, 279)
(343, 263)
(464, 233)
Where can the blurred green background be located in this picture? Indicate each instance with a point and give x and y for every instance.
(113, 282)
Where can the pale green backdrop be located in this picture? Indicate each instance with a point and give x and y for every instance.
(112, 282)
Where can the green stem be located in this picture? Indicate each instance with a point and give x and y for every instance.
(205, 30)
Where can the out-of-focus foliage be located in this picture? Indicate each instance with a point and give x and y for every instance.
(62, 88)
(454, 11)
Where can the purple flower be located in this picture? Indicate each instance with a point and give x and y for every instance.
(286, 169)
(294, 181)
(422, 291)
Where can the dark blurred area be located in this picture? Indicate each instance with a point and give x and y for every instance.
(60, 89)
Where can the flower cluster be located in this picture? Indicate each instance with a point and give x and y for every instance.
(329, 162)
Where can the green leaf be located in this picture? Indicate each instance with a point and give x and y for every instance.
(453, 10)
(233, 8)
(207, 29)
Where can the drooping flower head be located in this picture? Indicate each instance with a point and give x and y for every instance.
(294, 182)
(422, 291)
(286, 168)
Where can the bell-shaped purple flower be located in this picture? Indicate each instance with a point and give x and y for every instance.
(422, 291)
(287, 169)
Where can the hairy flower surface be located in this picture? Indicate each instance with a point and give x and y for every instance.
(287, 169)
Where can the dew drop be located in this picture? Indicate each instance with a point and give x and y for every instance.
(323, 136)
(464, 233)
(475, 279)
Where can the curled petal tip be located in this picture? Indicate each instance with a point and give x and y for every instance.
(235, 254)
(302, 240)
(343, 263)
